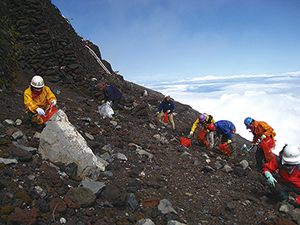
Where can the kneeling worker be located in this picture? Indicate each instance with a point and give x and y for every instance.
(36, 99)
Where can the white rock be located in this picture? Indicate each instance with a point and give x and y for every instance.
(62, 220)
(61, 142)
(8, 161)
(165, 206)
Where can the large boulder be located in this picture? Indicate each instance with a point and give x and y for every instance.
(61, 142)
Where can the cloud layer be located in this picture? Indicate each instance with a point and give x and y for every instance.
(274, 99)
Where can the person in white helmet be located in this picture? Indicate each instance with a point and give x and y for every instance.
(288, 166)
(36, 98)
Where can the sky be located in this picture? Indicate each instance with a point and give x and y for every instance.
(161, 40)
(229, 58)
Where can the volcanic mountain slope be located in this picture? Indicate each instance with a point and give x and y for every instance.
(204, 186)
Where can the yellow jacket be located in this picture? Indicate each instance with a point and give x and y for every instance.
(44, 99)
(209, 120)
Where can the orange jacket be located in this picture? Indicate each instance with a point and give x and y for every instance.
(261, 128)
(44, 99)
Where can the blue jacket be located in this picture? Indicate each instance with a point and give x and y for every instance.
(166, 105)
(111, 93)
(224, 127)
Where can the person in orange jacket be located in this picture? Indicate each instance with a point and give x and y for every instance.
(288, 166)
(37, 97)
(265, 134)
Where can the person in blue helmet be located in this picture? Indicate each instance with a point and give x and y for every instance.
(264, 134)
(225, 132)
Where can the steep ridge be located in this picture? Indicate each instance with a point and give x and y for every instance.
(204, 186)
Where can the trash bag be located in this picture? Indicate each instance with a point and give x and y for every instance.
(224, 148)
(49, 112)
(185, 142)
(166, 118)
(267, 145)
(106, 111)
(201, 138)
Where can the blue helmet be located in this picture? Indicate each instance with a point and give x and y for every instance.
(248, 121)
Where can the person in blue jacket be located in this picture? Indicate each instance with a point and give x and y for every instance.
(225, 132)
(166, 106)
(111, 95)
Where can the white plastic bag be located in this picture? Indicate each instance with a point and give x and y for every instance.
(106, 111)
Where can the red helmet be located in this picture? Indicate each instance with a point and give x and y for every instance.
(211, 127)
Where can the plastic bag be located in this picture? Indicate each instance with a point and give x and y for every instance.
(106, 111)
(50, 111)
(201, 138)
(166, 118)
(224, 148)
(185, 142)
(268, 144)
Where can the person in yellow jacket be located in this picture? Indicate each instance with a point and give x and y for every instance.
(36, 98)
(203, 122)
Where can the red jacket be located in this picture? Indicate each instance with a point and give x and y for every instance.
(285, 176)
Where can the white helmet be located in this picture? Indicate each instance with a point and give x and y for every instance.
(291, 154)
(37, 82)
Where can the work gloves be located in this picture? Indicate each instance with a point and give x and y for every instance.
(271, 179)
(229, 141)
(53, 102)
(40, 111)
(191, 133)
(262, 137)
(157, 113)
(168, 111)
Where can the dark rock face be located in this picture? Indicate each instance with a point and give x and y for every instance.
(146, 163)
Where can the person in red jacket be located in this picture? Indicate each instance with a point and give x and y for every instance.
(288, 166)
(265, 134)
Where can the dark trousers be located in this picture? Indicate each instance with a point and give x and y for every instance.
(115, 104)
(260, 158)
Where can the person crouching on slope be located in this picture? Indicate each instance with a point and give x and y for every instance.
(204, 135)
(36, 99)
(166, 106)
(225, 133)
(288, 166)
(111, 95)
(265, 133)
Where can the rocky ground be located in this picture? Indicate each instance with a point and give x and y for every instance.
(203, 186)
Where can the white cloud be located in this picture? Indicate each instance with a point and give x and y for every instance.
(274, 99)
